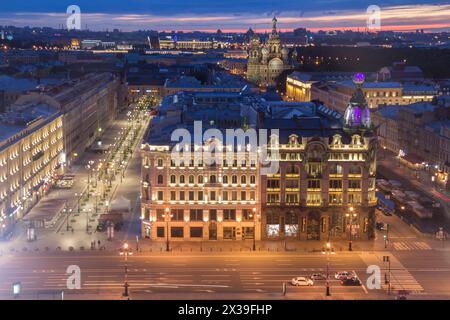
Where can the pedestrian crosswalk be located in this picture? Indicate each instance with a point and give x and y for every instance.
(400, 277)
(409, 246)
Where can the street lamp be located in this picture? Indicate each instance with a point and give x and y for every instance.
(126, 251)
(69, 212)
(254, 216)
(87, 219)
(350, 216)
(166, 217)
(327, 251)
(78, 196)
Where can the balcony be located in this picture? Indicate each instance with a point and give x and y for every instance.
(314, 175)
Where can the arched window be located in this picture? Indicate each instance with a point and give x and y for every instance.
(212, 179)
(160, 179)
(182, 181)
(252, 179)
(234, 179)
(173, 179)
(191, 179)
(243, 179)
(200, 179)
(225, 179)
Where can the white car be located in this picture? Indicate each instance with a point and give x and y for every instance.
(301, 281)
(342, 275)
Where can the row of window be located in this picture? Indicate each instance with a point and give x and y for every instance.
(201, 179)
(314, 184)
(200, 163)
(197, 232)
(314, 198)
(198, 215)
(213, 196)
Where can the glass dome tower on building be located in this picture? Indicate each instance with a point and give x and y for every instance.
(357, 115)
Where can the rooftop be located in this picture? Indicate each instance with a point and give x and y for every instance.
(9, 83)
(23, 117)
(225, 110)
(372, 85)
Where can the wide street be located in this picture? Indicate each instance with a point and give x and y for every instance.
(259, 275)
(211, 275)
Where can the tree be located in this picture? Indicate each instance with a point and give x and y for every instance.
(147, 101)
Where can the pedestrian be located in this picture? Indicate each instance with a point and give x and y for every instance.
(98, 243)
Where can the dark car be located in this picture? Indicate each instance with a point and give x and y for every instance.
(351, 282)
(380, 225)
(318, 276)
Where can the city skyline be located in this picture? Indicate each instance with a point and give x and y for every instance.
(272, 163)
(237, 17)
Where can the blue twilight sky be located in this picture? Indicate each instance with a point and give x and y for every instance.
(233, 15)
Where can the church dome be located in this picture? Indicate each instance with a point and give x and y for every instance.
(276, 63)
(357, 115)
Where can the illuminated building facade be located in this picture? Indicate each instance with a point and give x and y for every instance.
(31, 154)
(194, 199)
(194, 44)
(325, 187)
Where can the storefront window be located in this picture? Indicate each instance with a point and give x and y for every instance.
(177, 232)
(196, 232)
(229, 233)
(273, 230)
(291, 230)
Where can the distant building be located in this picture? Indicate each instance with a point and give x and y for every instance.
(337, 94)
(90, 44)
(401, 72)
(11, 88)
(234, 66)
(419, 134)
(267, 62)
(139, 86)
(187, 84)
(298, 84)
(167, 44)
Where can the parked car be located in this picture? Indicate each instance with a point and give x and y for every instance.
(318, 276)
(386, 211)
(380, 225)
(301, 281)
(352, 281)
(343, 275)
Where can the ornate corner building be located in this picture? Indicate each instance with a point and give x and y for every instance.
(323, 186)
(267, 61)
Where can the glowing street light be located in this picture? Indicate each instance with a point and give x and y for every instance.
(126, 252)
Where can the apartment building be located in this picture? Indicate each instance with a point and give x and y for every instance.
(31, 155)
